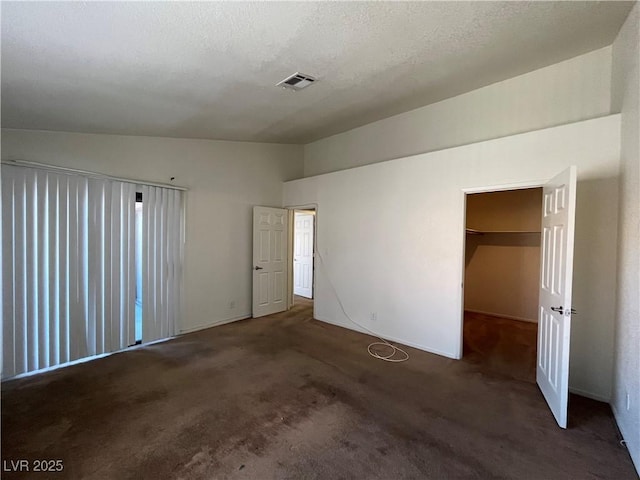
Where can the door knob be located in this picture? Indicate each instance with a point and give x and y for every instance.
(257, 268)
(557, 309)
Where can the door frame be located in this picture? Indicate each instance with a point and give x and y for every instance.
(482, 189)
(298, 214)
(292, 209)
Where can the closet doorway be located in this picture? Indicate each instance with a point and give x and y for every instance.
(501, 281)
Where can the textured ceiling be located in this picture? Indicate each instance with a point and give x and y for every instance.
(208, 70)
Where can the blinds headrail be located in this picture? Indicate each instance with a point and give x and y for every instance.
(85, 173)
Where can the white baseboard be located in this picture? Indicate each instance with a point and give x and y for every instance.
(423, 348)
(400, 341)
(217, 323)
(510, 317)
(591, 395)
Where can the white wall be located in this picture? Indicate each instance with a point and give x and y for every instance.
(391, 237)
(626, 84)
(566, 92)
(225, 179)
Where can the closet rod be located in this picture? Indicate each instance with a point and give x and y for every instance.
(56, 168)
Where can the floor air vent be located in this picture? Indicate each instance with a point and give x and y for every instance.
(297, 81)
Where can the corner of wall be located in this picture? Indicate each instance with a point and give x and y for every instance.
(625, 86)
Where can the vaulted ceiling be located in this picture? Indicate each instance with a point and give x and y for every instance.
(208, 70)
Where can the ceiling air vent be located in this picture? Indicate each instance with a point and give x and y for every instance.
(297, 81)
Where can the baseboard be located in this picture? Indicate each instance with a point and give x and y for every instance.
(634, 453)
(423, 348)
(214, 324)
(400, 341)
(591, 395)
(510, 317)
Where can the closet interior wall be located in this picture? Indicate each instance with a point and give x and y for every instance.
(502, 256)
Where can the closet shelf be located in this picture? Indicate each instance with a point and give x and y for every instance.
(473, 231)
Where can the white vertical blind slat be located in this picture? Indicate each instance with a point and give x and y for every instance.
(58, 276)
(31, 256)
(122, 280)
(42, 268)
(108, 267)
(83, 260)
(72, 278)
(20, 249)
(178, 254)
(94, 268)
(63, 268)
(162, 263)
(156, 264)
(170, 259)
(175, 235)
(128, 227)
(158, 260)
(147, 328)
(72, 252)
(130, 250)
(101, 272)
(114, 323)
(52, 248)
(8, 280)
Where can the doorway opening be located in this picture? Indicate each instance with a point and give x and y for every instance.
(501, 281)
(303, 255)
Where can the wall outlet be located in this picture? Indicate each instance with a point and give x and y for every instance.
(232, 305)
(374, 316)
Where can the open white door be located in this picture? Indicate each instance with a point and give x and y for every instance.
(269, 260)
(303, 255)
(556, 275)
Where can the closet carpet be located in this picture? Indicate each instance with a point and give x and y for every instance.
(289, 397)
(501, 345)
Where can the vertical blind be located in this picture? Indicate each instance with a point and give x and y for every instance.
(69, 266)
(111, 266)
(162, 231)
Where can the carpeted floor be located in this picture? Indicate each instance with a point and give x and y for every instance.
(290, 397)
(501, 345)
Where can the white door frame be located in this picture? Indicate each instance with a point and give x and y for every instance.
(464, 193)
(560, 417)
(292, 209)
(302, 284)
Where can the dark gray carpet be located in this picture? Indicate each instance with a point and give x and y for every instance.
(290, 397)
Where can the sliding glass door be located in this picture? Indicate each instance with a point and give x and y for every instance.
(78, 251)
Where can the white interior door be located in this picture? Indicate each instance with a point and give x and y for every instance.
(269, 260)
(303, 255)
(556, 274)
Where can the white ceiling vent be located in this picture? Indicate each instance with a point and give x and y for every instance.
(297, 81)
